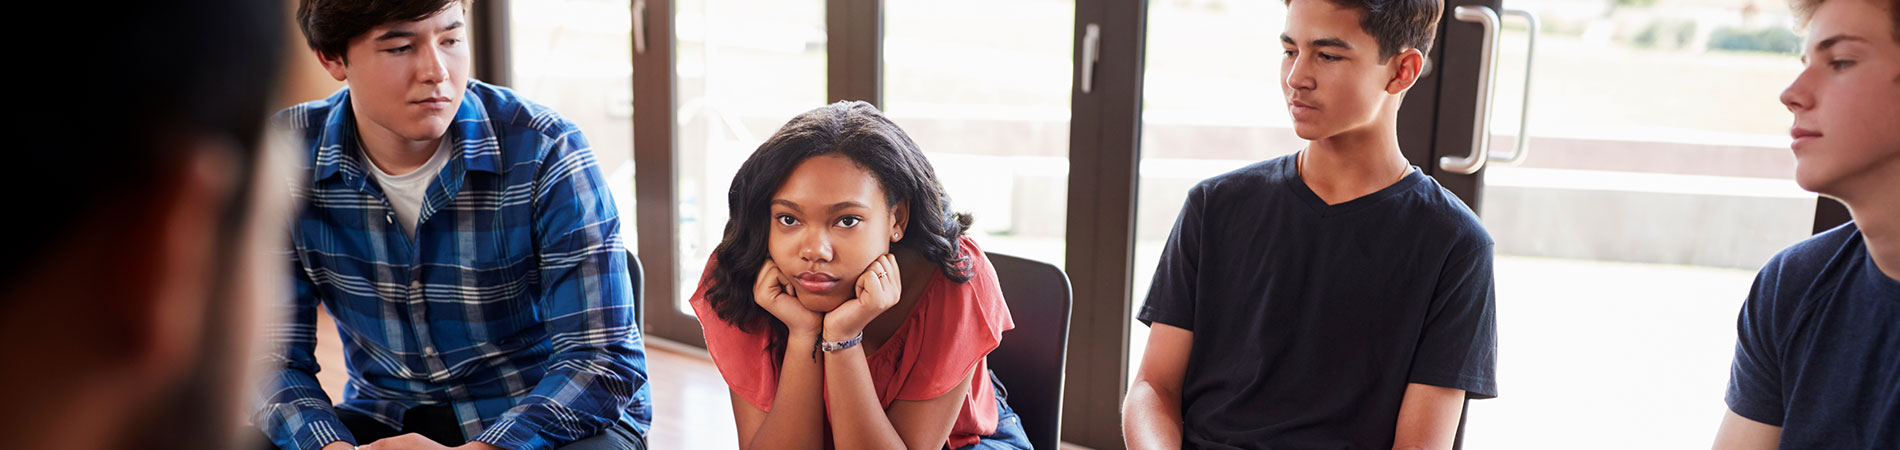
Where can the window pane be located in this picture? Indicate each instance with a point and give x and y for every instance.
(574, 56)
(987, 97)
(1629, 238)
(743, 68)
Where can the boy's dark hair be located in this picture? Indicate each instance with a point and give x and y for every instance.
(328, 25)
(1804, 12)
(1397, 24)
(855, 130)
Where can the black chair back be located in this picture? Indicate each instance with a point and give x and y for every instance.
(1030, 359)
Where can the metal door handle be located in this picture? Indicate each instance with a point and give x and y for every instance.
(640, 27)
(1524, 112)
(1481, 131)
(1091, 51)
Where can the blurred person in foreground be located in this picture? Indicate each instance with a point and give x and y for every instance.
(128, 298)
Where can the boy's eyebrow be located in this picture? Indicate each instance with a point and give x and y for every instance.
(1828, 43)
(1331, 42)
(1836, 39)
(395, 34)
(401, 33)
(1321, 42)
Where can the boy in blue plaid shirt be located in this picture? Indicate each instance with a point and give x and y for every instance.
(467, 245)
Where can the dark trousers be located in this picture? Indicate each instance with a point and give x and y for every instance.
(438, 424)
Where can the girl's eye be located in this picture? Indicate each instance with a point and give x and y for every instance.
(787, 220)
(849, 221)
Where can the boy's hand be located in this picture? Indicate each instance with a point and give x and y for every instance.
(878, 289)
(409, 441)
(773, 291)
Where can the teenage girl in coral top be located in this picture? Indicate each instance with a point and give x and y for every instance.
(844, 307)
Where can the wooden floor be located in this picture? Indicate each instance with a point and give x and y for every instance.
(691, 408)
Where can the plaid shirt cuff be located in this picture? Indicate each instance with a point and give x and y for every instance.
(315, 434)
(514, 435)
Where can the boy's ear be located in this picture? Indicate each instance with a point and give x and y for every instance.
(1411, 64)
(333, 64)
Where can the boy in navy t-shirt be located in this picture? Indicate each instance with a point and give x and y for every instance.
(1817, 353)
(1335, 298)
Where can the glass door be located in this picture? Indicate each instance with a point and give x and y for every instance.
(1658, 181)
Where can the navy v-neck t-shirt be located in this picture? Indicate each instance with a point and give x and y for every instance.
(1310, 319)
(1817, 349)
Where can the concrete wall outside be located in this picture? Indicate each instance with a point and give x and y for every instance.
(1736, 230)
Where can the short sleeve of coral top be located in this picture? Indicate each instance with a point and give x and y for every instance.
(949, 331)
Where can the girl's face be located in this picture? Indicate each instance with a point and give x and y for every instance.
(829, 222)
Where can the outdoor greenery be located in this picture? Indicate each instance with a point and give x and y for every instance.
(1770, 39)
(1665, 34)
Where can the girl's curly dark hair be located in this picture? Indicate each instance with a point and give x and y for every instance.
(859, 132)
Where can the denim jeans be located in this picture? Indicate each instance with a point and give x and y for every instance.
(1009, 428)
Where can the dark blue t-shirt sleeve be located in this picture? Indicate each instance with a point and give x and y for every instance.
(1754, 385)
(1458, 348)
(1171, 295)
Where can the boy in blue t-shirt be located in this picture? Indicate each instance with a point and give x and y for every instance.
(1817, 353)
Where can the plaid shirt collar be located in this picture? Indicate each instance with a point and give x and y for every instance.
(337, 147)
